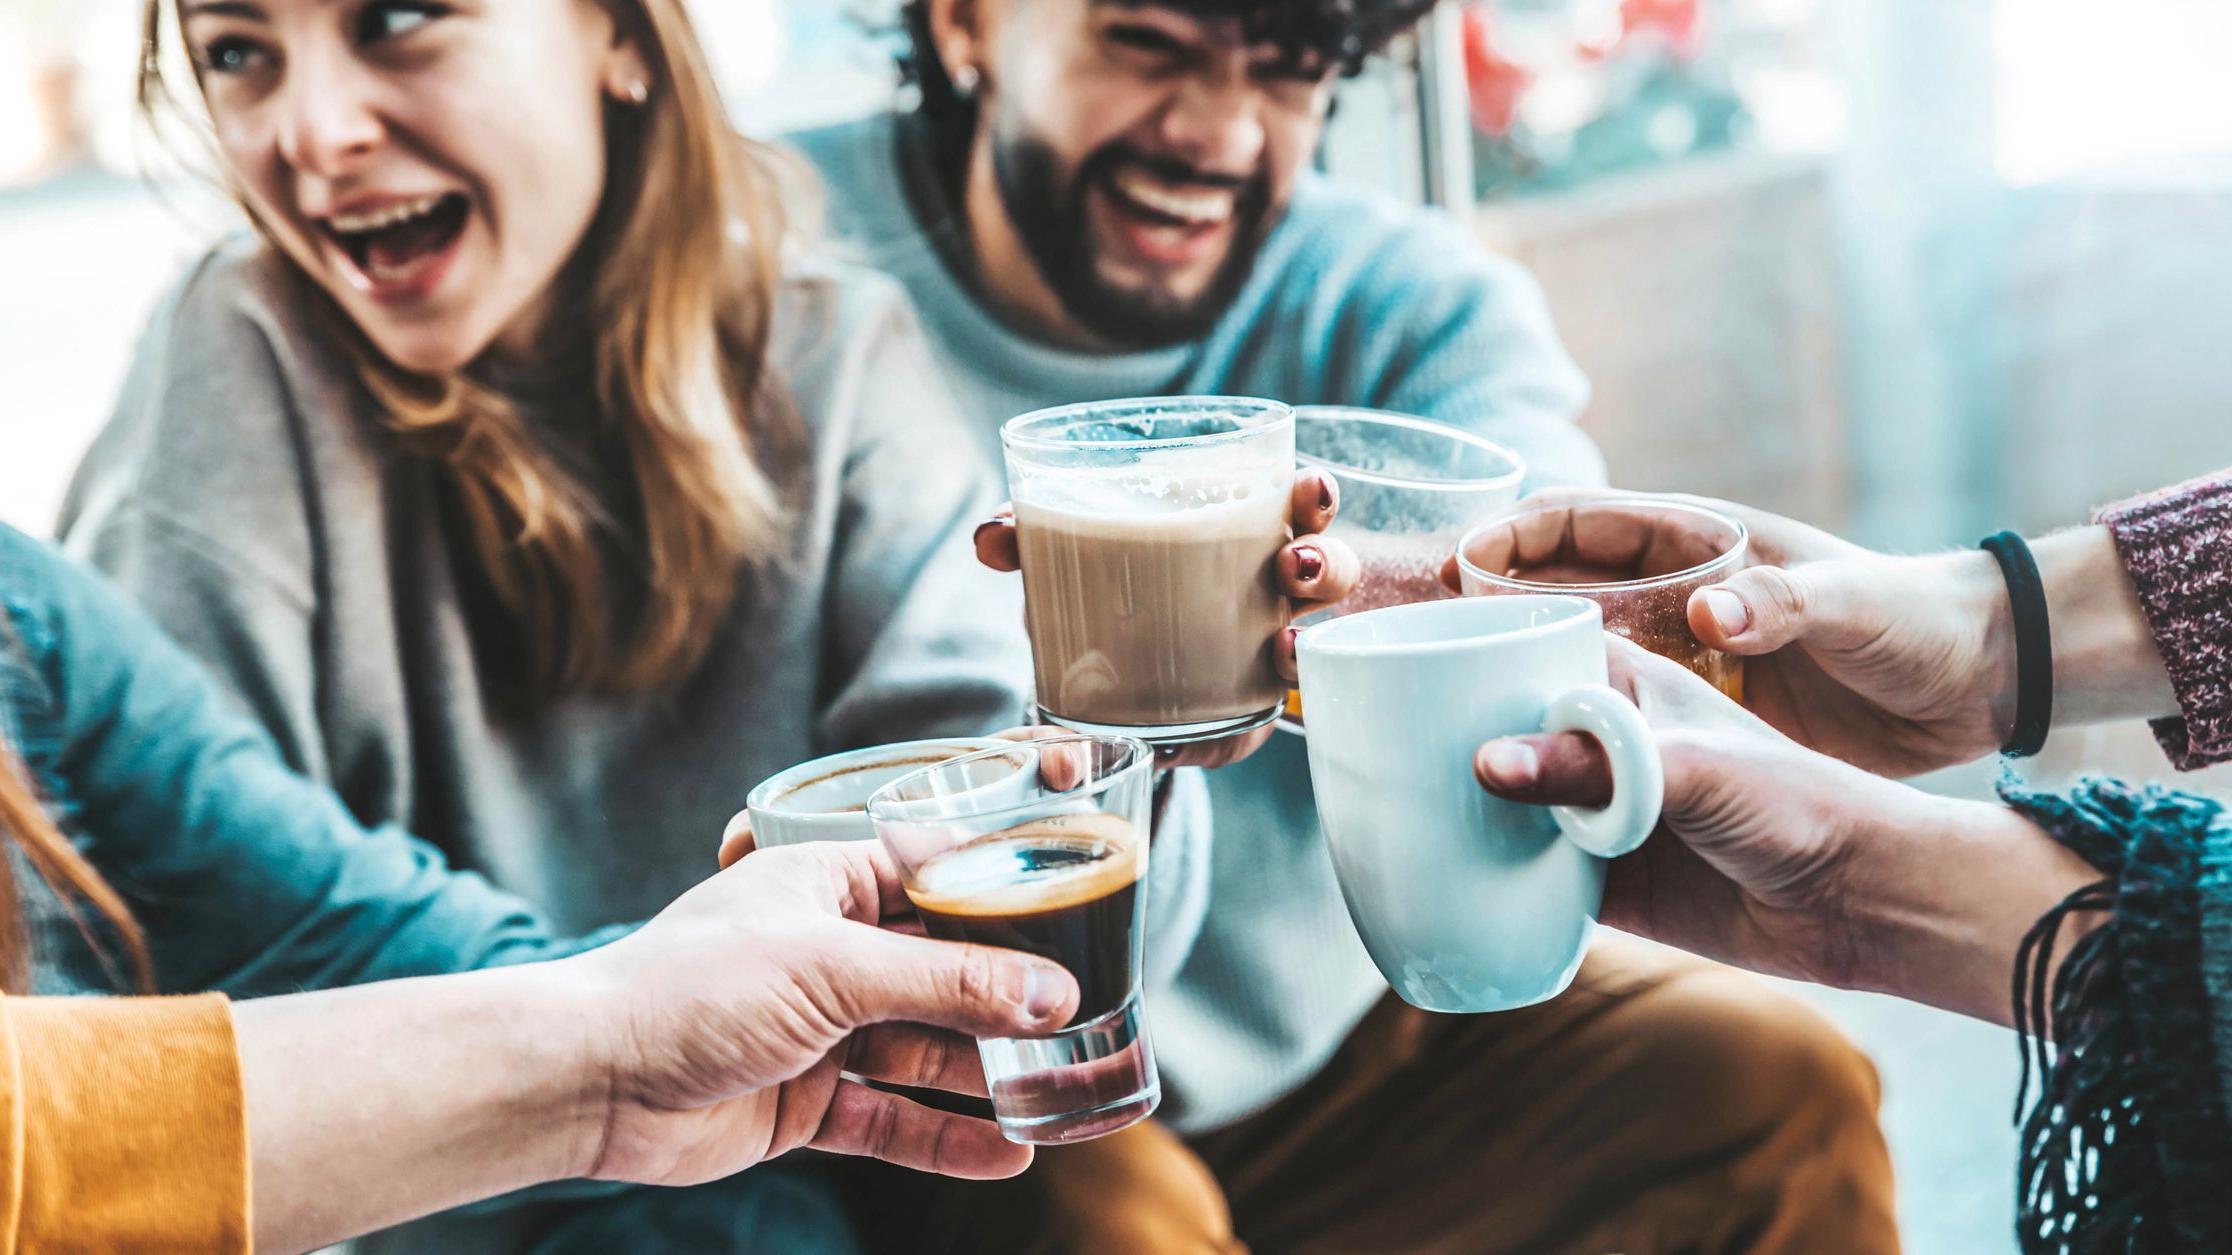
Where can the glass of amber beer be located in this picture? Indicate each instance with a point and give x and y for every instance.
(1639, 559)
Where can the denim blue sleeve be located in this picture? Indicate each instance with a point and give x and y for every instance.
(247, 878)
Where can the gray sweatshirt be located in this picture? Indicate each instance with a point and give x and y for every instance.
(243, 493)
(1355, 300)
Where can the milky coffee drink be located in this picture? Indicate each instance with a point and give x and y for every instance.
(1155, 611)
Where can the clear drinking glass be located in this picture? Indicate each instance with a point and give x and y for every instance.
(1409, 488)
(1639, 559)
(1150, 531)
(1053, 863)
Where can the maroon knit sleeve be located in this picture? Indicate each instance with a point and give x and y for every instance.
(2177, 544)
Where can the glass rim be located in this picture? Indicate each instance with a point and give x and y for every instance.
(1737, 548)
(1143, 759)
(1391, 418)
(768, 793)
(1581, 609)
(1013, 433)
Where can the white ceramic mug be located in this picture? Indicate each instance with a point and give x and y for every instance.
(827, 799)
(1466, 902)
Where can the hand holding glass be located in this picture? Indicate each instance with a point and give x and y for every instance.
(1055, 865)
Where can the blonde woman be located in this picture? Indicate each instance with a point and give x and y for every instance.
(527, 475)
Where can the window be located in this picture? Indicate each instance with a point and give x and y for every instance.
(2085, 87)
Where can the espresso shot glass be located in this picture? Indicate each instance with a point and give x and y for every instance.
(1638, 559)
(1059, 872)
(1150, 532)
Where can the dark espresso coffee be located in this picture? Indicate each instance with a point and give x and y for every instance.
(1065, 888)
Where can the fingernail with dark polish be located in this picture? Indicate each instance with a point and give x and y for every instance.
(1325, 493)
(1309, 563)
(1511, 766)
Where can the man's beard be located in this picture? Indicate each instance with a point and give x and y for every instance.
(1056, 229)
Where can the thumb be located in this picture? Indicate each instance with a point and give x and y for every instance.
(737, 839)
(1765, 608)
(982, 991)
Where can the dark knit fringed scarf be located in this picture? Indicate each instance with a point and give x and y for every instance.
(2127, 1148)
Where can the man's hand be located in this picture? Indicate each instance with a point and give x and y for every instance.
(1777, 859)
(1748, 865)
(730, 1017)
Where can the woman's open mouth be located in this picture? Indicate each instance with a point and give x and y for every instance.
(399, 251)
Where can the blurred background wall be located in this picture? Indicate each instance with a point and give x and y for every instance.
(1911, 269)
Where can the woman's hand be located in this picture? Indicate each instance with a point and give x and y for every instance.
(733, 1013)
(1315, 571)
(1897, 664)
(1777, 859)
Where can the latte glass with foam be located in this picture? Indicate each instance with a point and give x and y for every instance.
(1150, 531)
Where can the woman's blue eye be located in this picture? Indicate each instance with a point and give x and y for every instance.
(231, 56)
(386, 19)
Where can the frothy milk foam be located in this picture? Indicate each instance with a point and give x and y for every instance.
(1152, 600)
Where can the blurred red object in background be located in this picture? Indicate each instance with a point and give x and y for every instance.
(1495, 83)
(1677, 24)
(1681, 22)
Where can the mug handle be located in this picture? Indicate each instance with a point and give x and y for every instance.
(1638, 779)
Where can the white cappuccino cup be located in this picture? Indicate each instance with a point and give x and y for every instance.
(1466, 902)
(827, 799)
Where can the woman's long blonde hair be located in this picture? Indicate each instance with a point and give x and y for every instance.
(680, 271)
(75, 883)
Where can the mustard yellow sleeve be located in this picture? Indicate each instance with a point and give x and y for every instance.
(126, 1126)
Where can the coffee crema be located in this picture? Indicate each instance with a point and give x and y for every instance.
(880, 771)
(919, 760)
(1064, 888)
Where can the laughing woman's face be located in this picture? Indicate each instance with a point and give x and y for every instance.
(431, 165)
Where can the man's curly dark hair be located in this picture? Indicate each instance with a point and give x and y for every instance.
(1336, 34)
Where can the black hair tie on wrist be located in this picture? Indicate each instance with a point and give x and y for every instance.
(2034, 644)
